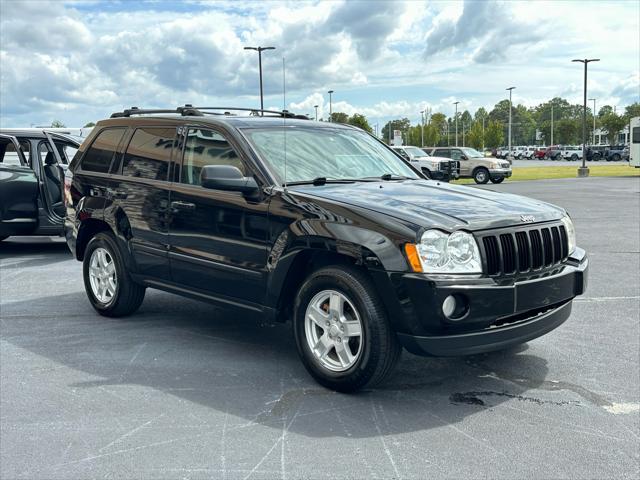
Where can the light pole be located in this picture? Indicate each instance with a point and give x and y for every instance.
(422, 128)
(483, 133)
(510, 90)
(593, 140)
(316, 107)
(260, 50)
(330, 92)
(456, 104)
(584, 171)
(551, 125)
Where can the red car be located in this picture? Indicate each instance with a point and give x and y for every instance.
(540, 152)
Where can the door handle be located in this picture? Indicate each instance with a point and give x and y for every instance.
(183, 206)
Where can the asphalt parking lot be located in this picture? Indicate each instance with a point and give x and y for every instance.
(184, 390)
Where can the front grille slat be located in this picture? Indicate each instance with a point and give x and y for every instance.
(525, 250)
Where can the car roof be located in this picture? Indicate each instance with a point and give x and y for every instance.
(231, 120)
(37, 133)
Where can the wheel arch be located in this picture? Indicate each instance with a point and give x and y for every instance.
(89, 228)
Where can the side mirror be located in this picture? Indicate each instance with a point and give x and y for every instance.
(228, 178)
(464, 157)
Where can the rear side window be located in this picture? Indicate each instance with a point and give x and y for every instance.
(102, 150)
(149, 153)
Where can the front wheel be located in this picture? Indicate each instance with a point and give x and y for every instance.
(574, 157)
(110, 289)
(481, 176)
(497, 180)
(342, 332)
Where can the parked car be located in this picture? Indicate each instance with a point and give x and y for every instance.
(572, 152)
(529, 152)
(540, 153)
(31, 181)
(519, 151)
(339, 235)
(437, 168)
(597, 152)
(615, 153)
(554, 152)
(475, 165)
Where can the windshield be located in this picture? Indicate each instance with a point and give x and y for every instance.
(470, 152)
(415, 152)
(325, 152)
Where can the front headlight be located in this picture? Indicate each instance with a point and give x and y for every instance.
(571, 233)
(440, 252)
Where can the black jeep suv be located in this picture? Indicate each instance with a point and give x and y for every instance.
(318, 223)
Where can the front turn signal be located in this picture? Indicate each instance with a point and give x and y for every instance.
(414, 258)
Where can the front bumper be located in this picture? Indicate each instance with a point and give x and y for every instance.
(500, 172)
(499, 314)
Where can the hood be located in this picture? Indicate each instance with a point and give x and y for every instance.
(433, 204)
(439, 159)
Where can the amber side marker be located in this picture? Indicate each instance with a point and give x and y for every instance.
(412, 255)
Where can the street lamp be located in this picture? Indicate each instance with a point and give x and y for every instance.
(510, 90)
(260, 50)
(422, 128)
(593, 140)
(456, 104)
(584, 171)
(330, 92)
(316, 107)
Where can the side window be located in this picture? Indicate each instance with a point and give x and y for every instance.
(99, 155)
(8, 154)
(445, 152)
(455, 154)
(149, 153)
(402, 153)
(206, 147)
(66, 150)
(635, 135)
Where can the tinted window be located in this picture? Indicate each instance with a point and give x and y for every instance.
(149, 153)
(206, 147)
(444, 152)
(8, 154)
(100, 153)
(635, 135)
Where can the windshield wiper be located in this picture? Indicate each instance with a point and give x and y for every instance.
(318, 181)
(389, 176)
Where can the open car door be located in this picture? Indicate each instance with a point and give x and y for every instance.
(18, 190)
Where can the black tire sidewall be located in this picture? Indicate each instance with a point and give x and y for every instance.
(106, 241)
(363, 368)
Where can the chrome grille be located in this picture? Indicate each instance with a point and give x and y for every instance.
(524, 250)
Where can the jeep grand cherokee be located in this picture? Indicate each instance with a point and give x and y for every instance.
(318, 223)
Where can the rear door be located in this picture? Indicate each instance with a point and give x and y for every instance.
(138, 197)
(18, 190)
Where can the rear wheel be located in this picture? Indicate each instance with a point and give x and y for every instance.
(481, 176)
(110, 289)
(616, 157)
(574, 157)
(342, 332)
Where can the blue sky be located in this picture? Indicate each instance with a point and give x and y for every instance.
(86, 59)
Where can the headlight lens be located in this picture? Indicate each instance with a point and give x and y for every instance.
(571, 233)
(440, 252)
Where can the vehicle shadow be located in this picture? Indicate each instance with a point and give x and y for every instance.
(230, 363)
(34, 251)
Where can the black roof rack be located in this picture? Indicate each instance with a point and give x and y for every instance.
(190, 110)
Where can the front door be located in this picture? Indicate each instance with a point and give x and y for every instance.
(465, 164)
(218, 238)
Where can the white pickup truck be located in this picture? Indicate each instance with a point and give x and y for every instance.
(437, 168)
(571, 152)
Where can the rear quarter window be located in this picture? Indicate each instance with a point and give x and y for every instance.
(99, 155)
(149, 153)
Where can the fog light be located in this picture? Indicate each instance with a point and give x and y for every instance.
(455, 307)
(449, 306)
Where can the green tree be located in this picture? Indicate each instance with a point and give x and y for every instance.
(493, 134)
(339, 117)
(387, 130)
(90, 124)
(432, 134)
(567, 131)
(360, 121)
(632, 110)
(57, 124)
(481, 114)
(605, 110)
(475, 136)
(613, 123)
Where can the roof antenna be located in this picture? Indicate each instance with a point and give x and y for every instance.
(284, 122)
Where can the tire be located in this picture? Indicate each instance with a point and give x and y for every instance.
(121, 295)
(574, 157)
(426, 173)
(481, 175)
(373, 354)
(497, 180)
(616, 157)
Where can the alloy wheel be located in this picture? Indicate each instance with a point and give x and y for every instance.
(102, 275)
